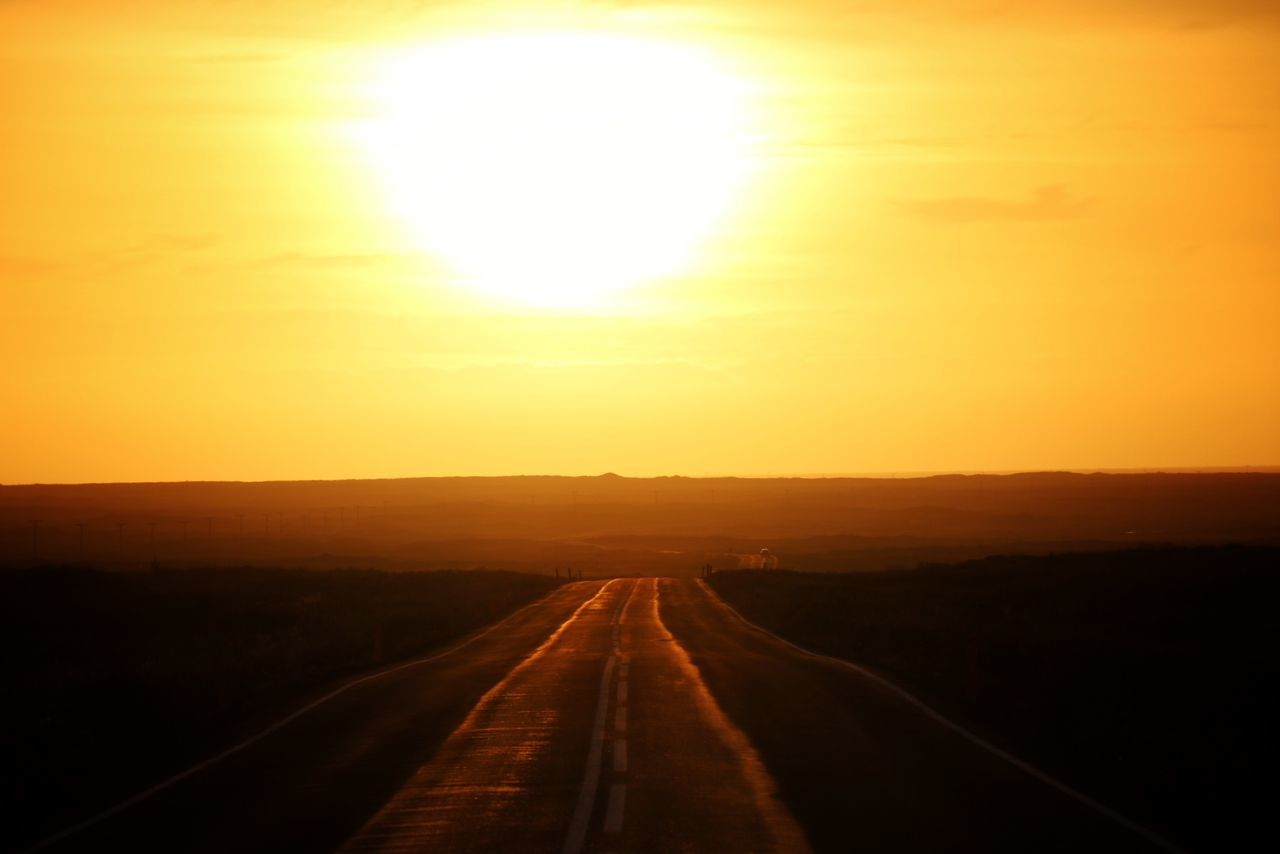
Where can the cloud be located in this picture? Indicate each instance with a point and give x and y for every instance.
(154, 249)
(17, 265)
(1046, 203)
(1231, 126)
(1212, 13)
(837, 15)
(151, 249)
(1173, 13)
(184, 242)
(238, 57)
(332, 261)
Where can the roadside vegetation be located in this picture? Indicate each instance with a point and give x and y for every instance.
(117, 679)
(1145, 677)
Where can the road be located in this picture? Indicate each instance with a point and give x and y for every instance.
(629, 715)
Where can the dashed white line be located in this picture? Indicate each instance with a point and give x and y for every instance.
(577, 837)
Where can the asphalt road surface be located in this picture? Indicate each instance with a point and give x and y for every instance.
(630, 715)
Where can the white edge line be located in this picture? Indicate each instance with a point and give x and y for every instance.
(938, 717)
(253, 739)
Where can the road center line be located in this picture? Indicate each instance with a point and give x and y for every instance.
(620, 719)
(622, 691)
(591, 777)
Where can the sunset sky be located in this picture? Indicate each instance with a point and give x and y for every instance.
(813, 237)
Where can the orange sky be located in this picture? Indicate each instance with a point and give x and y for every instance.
(970, 239)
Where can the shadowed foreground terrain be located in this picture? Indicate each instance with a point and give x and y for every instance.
(115, 680)
(593, 721)
(1139, 676)
(1143, 678)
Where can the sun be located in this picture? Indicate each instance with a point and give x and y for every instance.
(558, 168)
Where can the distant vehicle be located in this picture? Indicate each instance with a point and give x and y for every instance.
(764, 560)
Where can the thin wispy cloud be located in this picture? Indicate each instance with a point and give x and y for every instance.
(1046, 203)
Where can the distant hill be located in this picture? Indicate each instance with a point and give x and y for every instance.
(609, 522)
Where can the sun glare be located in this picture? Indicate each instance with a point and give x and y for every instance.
(557, 169)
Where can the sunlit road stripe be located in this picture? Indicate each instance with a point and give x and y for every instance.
(620, 756)
(622, 692)
(620, 719)
(341, 689)
(938, 717)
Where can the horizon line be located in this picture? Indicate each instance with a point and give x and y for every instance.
(837, 475)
